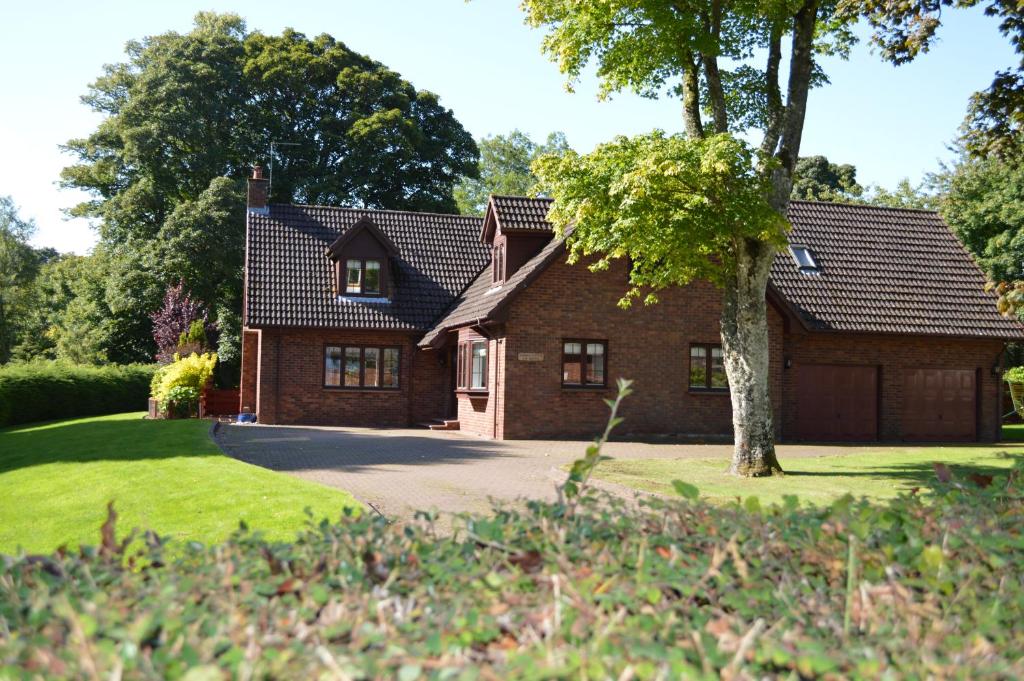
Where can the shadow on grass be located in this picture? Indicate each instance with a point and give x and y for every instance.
(282, 449)
(922, 473)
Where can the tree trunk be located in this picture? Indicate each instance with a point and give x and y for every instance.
(745, 350)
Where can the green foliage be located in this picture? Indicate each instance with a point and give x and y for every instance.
(815, 178)
(41, 390)
(170, 203)
(983, 201)
(581, 470)
(649, 47)
(194, 372)
(1014, 375)
(905, 195)
(18, 265)
(505, 169)
(654, 589)
(676, 207)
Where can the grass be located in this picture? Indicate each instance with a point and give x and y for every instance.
(167, 476)
(876, 474)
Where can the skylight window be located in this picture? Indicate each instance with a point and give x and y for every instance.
(804, 259)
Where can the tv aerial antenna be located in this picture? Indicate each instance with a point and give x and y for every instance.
(273, 152)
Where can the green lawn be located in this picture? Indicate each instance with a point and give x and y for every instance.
(168, 476)
(875, 473)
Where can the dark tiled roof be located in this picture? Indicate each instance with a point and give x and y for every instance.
(482, 300)
(289, 275)
(885, 270)
(520, 212)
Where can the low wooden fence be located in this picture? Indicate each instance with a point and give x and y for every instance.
(219, 402)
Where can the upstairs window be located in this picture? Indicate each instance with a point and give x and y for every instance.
(471, 368)
(363, 277)
(804, 259)
(707, 368)
(583, 363)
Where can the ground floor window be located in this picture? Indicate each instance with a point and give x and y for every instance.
(583, 362)
(707, 367)
(471, 368)
(355, 366)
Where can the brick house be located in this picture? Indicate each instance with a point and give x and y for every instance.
(880, 328)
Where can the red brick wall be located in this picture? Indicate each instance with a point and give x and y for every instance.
(291, 388)
(250, 359)
(649, 344)
(895, 354)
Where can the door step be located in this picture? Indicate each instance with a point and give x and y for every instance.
(447, 424)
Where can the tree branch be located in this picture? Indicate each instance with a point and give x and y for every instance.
(691, 97)
(801, 62)
(773, 93)
(716, 94)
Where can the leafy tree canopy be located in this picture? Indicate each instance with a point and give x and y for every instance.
(677, 207)
(983, 201)
(815, 178)
(505, 168)
(187, 114)
(18, 265)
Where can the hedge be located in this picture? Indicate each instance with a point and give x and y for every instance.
(926, 586)
(41, 391)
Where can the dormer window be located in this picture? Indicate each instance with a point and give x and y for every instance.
(498, 264)
(362, 277)
(804, 259)
(363, 258)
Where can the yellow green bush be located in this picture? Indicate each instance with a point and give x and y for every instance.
(193, 371)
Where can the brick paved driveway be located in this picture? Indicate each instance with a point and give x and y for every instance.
(399, 471)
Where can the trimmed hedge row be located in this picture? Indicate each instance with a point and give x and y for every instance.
(41, 391)
(916, 588)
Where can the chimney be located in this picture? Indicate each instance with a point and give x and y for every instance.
(258, 190)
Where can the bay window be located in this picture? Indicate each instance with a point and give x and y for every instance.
(471, 367)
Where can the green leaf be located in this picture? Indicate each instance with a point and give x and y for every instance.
(685, 489)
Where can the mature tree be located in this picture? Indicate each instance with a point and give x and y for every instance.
(815, 178)
(505, 168)
(703, 52)
(995, 119)
(983, 201)
(186, 115)
(904, 195)
(18, 265)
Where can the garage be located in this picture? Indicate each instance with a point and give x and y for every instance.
(939, 404)
(836, 403)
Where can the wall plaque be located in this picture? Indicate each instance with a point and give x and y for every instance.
(531, 356)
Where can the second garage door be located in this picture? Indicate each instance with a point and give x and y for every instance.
(836, 403)
(939, 404)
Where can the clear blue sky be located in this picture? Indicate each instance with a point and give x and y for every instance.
(486, 66)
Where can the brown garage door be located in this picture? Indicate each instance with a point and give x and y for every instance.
(836, 403)
(939, 404)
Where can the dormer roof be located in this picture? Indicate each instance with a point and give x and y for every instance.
(364, 223)
(515, 214)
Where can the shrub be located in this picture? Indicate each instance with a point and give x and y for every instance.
(193, 371)
(1014, 375)
(925, 586)
(41, 391)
